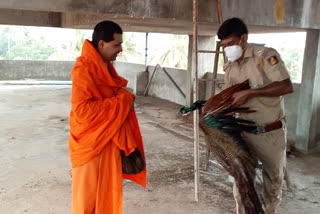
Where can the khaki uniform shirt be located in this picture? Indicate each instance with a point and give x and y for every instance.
(261, 66)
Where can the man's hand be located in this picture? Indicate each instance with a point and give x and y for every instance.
(239, 98)
(274, 89)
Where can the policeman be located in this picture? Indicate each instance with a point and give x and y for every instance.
(269, 81)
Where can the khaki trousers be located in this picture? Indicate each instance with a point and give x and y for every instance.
(271, 150)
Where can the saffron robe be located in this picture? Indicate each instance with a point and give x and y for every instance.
(102, 122)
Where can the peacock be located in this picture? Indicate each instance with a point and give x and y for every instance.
(223, 129)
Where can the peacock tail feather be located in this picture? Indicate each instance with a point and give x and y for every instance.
(223, 135)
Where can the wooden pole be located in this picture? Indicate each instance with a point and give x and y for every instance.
(218, 4)
(215, 68)
(195, 98)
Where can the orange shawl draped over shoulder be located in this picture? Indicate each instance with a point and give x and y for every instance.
(101, 112)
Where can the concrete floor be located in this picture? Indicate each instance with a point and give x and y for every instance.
(34, 160)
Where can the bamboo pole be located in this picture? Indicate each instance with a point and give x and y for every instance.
(218, 4)
(215, 68)
(195, 98)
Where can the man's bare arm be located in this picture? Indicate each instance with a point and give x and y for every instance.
(274, 89)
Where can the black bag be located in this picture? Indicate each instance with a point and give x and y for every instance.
(132, 164)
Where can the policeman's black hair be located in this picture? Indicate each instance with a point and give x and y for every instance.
(233, 26)
(104, 31)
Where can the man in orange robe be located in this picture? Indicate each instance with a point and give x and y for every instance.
(102, 122)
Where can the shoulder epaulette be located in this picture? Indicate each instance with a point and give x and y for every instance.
(262, 52)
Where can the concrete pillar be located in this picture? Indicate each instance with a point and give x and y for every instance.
(205, 64)
(308, 117)
(205, 60)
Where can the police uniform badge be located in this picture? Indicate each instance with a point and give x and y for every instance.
(273, 60)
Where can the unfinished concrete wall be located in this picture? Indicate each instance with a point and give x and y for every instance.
(206, 85)
(24, 69)
(291, 104)
(61, 70)
(161, 86)
(136, 75)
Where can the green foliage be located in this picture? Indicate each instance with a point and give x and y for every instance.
(18, 43)
(80, 37)
(30, 50)
(71, 47)
(290, 47)
(4, 32)
(133, 47)
(293, 59)
(169, 50)
(31, 43)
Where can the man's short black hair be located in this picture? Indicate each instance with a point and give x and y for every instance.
(233, 26)
(104, 31)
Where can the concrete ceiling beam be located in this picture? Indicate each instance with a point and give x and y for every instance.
(136, 24)
(30, 18)
(138, 15)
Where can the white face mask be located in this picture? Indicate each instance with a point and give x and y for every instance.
(233, 52)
